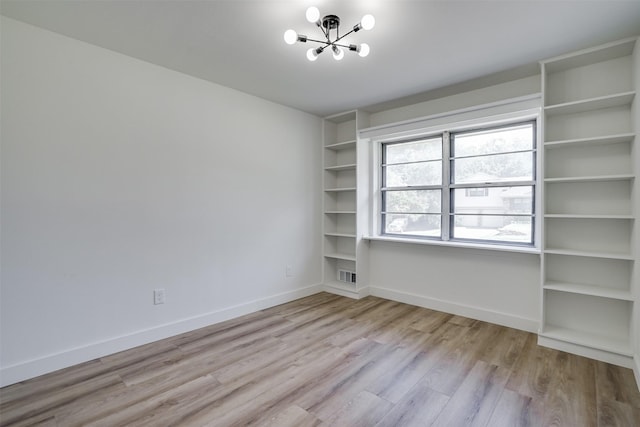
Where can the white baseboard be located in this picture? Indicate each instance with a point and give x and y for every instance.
(478, 313)
(345, 291)
(585, 351)
(33, 368)
(636, 369)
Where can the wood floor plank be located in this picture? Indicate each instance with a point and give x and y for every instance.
(294, 416)
(149, 367)
(533, 370)
(418, 408)
(352, 384)
(162, 409)
(616, 384)
(102, 403)
(327, 360)
(406, 372)
(365, 410)
(52, 382)
(453, 368)
(320, 396)
(431, 321)
(264, 399)
(474, 401)
(617, 414)
(561, 408)
(515, 410)
(47, 403)
(504, 347)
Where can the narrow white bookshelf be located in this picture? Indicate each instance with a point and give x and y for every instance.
(334, 234)
(588, 216)
(337, 190)
(343, 145)
(598, 140)
(345, 257)
(591, 104)
(607, 344)
(341, 245)
(341, 168)
(589, 162)
(594, 290)
(591, 254)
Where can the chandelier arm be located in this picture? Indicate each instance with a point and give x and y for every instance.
(346, 46)
(340, 38)
(325, 32)
(324, 42)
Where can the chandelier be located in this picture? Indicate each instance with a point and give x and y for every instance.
(330, 27)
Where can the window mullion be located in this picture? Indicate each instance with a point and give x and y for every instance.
(446, 192)
(495, 184)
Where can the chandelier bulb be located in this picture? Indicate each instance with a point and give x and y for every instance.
(338, 53)
(290, 37)
(313, 15)
(312, 54)
(368, 22)
(363, 50)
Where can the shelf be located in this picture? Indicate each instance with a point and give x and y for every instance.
(597, 291)
(337, 190)
(588, 216)
(597, 140)
(339, 212)
(345, 145)
(596, 341)
(341, 168)
(598, 178)
(572, 252)
(590, 56)
(601, 102)
(348, 235)
(345, 257)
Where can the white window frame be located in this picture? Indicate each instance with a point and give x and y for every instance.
(522, 109)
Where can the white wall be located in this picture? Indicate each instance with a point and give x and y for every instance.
(485, 95)
(118, 177)
(495, 286)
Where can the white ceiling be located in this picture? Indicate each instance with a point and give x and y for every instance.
(416, 46)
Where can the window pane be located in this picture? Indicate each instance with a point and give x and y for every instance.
(417, 225)
(412, 201)
(490, 141)
(427, 149)
(427, 173)
(493, 200)
(513, 229)
(493, 168)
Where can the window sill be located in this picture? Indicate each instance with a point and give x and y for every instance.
(501, 248)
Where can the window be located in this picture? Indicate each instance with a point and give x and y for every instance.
(412, 187)
(483, 191)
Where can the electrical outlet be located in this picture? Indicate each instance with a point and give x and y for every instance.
(289, 270)
(158, 296)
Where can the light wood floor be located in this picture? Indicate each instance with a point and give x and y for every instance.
(326, 360)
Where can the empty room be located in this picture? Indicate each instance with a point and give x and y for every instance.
(319, 213)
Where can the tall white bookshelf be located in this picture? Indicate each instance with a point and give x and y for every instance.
(590, 239)
(344, 252)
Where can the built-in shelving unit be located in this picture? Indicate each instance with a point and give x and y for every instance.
(589, 242)
(343, 270)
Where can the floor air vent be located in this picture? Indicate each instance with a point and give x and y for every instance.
(346, 276)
